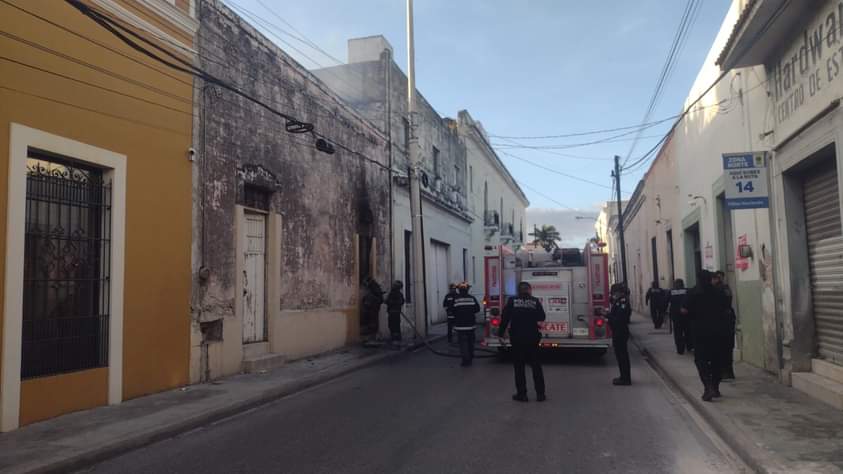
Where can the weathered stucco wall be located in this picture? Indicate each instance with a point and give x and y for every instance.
(377, 88)
(323, 202)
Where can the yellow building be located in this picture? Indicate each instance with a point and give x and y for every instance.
(95, 210)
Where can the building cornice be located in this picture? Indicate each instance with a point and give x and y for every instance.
(493, 157)
(165, 11)
(173, 14)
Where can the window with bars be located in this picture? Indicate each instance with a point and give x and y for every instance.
(256, 197)
(67, 260)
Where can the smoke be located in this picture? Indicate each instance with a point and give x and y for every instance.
(572, 231)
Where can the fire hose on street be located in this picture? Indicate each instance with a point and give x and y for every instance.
(490, 353)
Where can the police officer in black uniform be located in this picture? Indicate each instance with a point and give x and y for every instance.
(681, 323)
(465, 307)
(523, 314)
(448, 304)
(707, 307)
(619, 316)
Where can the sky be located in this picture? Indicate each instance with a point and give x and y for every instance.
(526, 68)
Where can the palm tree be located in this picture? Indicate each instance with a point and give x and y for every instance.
(546, 236)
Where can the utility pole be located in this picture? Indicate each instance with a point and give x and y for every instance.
(415, 187)
(617, 176)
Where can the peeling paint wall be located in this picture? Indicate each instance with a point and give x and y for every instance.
(322, 201)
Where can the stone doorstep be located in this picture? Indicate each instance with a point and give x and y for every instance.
(265, 362)
(828, 370)
(819, 387)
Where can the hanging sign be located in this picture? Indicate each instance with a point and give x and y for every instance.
(745, 176)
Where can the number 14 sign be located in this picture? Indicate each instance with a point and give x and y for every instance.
(746, 180)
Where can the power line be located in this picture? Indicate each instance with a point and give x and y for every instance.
(522, 183)
(90, 84)
(88, 109)
(302, 37)
(776, 14)
(291, 124)
(94, 67)
(612, 139)
(271, 26)
(97, 43)
(681, 32)
(537, 165)
(580, 134)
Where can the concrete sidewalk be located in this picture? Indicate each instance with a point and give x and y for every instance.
(773, 427)
(80, 439)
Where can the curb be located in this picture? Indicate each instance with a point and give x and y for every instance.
(757, 459)
(146, 438)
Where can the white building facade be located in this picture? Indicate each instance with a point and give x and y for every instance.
(495, 200)
(776, 67)
(798, 44)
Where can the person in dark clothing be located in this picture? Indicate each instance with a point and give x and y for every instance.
(707, 307)
(681, 324)
(655, 299)
(729, 335)
(394, 307)
(465, 308)
(371, 305)
(619, 318)
(522, 315)
(448, 304)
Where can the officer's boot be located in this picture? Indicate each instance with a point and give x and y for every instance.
(708, 394)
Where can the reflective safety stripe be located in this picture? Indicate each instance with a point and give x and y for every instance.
(464, 303)
(464, 328)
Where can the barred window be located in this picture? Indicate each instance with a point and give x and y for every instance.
(67, 257)
(256, 197)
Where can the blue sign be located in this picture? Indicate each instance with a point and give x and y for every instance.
(745, 176)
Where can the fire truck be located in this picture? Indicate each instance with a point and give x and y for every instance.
(572, 285)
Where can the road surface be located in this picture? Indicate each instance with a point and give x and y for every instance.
(425, 414)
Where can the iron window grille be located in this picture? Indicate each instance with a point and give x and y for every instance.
(67, 262)
(256, 197)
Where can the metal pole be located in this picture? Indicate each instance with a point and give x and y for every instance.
(415, 188)
(617, 176)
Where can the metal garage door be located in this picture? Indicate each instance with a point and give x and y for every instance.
(825, 251)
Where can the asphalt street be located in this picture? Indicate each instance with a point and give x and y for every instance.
(425, 414)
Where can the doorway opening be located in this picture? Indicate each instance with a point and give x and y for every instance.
(693, 253)
(654, 249)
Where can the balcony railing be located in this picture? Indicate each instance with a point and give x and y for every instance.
(492, 220)
(508, 230)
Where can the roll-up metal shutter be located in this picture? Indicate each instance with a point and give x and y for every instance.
(825, 252)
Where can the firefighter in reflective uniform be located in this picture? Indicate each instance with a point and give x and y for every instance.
(448, 304)
(523, 314)
(619, 316)
(465, 307)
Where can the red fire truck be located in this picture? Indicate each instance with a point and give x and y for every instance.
(572, 284)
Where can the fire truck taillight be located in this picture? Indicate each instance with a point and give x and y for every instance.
(599, 328)
(496, 322)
